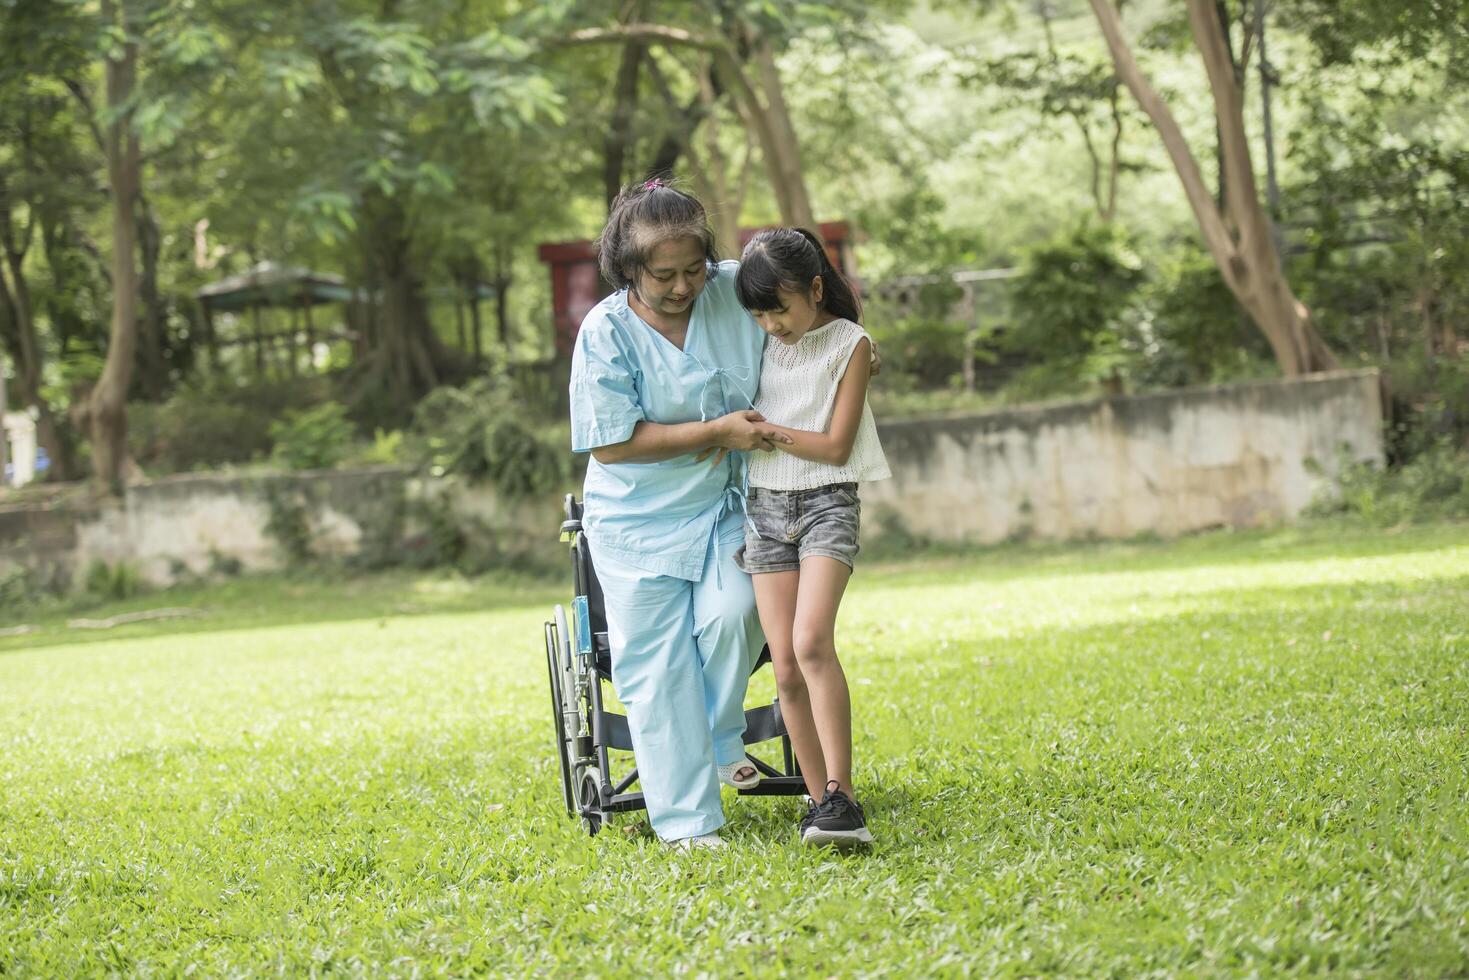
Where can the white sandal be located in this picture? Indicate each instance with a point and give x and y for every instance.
(727, 775)
(710, 841)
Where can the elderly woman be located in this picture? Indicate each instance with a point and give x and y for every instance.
(664, 373)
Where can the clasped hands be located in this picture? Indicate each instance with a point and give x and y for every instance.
(744, 430)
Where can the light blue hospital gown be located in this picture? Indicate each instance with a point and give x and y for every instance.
(681, 617)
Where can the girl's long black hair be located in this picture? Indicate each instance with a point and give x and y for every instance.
(790, 258)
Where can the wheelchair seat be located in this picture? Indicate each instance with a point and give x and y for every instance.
(586, 584)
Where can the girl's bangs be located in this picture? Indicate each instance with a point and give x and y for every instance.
(757, 286)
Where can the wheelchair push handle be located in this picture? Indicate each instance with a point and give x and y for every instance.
(572, 524)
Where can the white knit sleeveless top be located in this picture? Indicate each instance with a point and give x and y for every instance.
(798, 388)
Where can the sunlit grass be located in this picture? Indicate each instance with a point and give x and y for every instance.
(1230, 754)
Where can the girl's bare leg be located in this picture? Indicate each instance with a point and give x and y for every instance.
(775, 597)
(813, 634)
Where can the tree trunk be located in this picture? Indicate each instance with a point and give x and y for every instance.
(685, 118)
(1247, 258)
(4, 439)
(150, 380)
(477, 330)
(1114, 166)
(407, 358)
(787, 174)
(107, 407)
(620, 135)
(502, 277)
(310, 335)
(722, 192)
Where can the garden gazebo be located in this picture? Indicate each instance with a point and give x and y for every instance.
(269, 284)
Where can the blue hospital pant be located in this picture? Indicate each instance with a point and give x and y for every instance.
(681, 658)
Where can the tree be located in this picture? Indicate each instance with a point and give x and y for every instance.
(20, 212)
(410, 97)
(106, 408)
(1238, 232)
(44, 180)
(1436, 30)
(735, 47)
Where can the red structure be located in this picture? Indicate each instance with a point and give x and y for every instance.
(577, 286)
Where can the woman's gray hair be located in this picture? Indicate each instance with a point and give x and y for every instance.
(643, 217)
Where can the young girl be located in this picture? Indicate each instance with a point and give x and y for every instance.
(803, 513)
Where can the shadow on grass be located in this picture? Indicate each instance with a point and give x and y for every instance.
(321, 596)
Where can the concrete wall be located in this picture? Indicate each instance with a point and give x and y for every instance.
(189, 523)
(1168, 463)
(1227, 456)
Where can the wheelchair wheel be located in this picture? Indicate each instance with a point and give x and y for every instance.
(592, 816)
(554, 673)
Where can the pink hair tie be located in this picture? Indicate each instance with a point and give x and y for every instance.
(653, 184)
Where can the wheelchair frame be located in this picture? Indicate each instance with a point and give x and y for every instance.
(578, 662)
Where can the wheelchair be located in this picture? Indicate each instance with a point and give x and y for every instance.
(579, 662)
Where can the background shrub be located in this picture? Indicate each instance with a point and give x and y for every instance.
(482, 432)
(313, 438)
(1433, 485)
(213, 422)
(111, 581)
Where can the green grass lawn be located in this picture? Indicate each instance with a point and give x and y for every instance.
(1239, 753)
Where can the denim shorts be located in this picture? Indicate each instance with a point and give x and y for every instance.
(784, 526)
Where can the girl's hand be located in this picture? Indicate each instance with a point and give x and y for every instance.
(876, 361)
(747, 430)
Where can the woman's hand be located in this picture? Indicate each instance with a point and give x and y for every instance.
(746, 430)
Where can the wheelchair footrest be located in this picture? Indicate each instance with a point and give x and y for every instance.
(777, 786)
(625, 802)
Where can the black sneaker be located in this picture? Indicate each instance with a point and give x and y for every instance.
(812, 808)
(838, 821)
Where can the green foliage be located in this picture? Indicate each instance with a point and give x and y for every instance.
(441, 540)
(23, 587)
(382, 544)
(1197, 333)
(1073, 288)
(1340, 30)
(1387, 267)
(288, 522)
(312, 439)
(1074, 306)
(919, 351)
(222, 565)
(1432, 486)
(386, 449)
(952, 135)
(481, 432)
(214, 422)
(119, 580)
